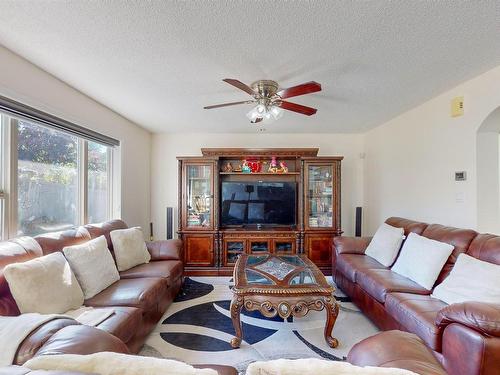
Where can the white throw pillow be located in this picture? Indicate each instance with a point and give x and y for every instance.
(130, 248)
(93, 265)
(470, 279)
(385, 245)
(422, 259)
(44, 285)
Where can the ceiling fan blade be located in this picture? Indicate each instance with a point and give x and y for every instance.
(305, 88)
(308, 111)
(228, 104)
(241, 86)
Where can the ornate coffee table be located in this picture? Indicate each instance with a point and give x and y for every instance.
(287, 285)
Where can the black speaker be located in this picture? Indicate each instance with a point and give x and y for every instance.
(170, 223)
(359, 212)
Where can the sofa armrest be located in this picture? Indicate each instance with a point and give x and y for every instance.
(482, 317)
(165, 250)
(351, 245)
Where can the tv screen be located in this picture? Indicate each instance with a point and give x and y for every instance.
(271, 203)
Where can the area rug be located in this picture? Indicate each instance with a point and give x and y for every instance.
(197, 329)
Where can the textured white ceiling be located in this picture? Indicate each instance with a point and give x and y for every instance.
(159, 62)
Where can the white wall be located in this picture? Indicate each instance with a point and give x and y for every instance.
(24, 82)
(411, 160)
(167, 146)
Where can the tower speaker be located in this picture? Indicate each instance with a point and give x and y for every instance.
(359, 212)
(170, 223)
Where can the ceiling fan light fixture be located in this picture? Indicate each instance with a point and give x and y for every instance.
(276, 112)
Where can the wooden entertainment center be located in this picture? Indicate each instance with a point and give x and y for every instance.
(211, 247)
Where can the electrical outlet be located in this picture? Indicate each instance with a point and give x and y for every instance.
(457, 106)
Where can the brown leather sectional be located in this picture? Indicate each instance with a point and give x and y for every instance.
(464, 338)
(139, 298)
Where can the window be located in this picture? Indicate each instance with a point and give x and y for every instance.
(3, 176)
(60, 180)
(98, 203)
(47, 179)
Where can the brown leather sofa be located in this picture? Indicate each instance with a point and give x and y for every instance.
(464, 338)
(139, 298)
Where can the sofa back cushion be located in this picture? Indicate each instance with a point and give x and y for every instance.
(104, 229)
(485, 247)
(409, 226)
(56, 241)
(460, 239)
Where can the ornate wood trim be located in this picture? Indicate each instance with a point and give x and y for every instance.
(244, 152)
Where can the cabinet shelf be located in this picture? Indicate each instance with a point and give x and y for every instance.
(260, 173)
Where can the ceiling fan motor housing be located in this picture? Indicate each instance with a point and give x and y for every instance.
(266, 88)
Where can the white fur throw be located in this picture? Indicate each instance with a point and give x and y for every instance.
(129, 247)
(106, 363)
(314, 366)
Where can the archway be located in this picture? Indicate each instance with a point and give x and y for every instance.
(488, 173)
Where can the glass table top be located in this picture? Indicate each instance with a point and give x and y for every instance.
(261, 269)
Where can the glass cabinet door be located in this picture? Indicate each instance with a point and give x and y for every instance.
(320, 199)
(199, 196)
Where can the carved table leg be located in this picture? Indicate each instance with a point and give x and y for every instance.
(332, 311)
(236, 305)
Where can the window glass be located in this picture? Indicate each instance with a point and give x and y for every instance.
(97, 183)
(47, 183)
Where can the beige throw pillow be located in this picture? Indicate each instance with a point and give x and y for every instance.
(129, 247)
(422, 259)
(470, 279)
(93, 265)
(44, 285)
(385, 245)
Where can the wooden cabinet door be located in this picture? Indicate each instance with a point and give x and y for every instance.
(258, 246)
(284, 246)
(233, 247)
(319, 248)
(199, 250)
(197, 195)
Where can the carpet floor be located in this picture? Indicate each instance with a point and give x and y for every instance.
(197, 329)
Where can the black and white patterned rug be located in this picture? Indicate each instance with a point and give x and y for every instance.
(197, 328)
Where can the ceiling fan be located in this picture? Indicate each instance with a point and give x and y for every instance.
(269, 99)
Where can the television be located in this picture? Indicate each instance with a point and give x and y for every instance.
(258, 203)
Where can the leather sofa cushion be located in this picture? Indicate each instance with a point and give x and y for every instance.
(395, 349)
(409, 226)
(36, 339)
(124, 323)
(417, 314)
(350, 264)
(56, 241)
(82, 340)
(379, 282)
(18, 370)
(169, 269)
(144, 293)
(460, 239)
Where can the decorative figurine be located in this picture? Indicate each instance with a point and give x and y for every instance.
(283, 168)
(245, 168)
(238, 168)
(228, 167)
(254, 165)
(273, 166)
